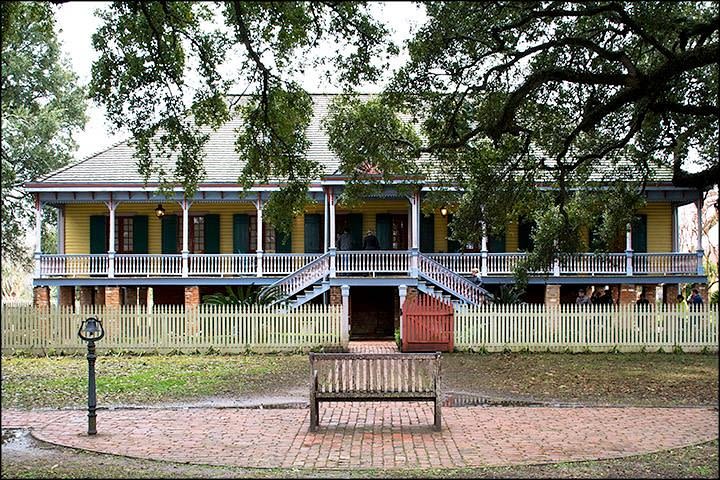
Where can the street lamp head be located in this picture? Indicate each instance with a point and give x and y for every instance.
(91, 329)
(160, 211)
(443, 211)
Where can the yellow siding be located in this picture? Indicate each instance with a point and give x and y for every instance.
(659, 226)
(77, 223)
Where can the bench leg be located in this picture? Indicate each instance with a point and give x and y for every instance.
(314, 410)
(438, 414)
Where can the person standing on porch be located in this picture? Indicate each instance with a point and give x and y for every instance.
(370, 242)
(345, 240)
(582, 299)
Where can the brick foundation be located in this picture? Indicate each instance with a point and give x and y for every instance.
(649, 290)
(628, 294)
(335, 296)
(192, 296)
(552, 295)
(670, 293)
(66, 297)
(112, 296)
(86, 296)
(99, 295)
(41, 297)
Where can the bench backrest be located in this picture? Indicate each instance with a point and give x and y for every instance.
(376, 372)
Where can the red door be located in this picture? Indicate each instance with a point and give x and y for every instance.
(428, 325)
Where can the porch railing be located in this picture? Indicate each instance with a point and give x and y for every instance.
(373, 261)
(148, 265)
(303, 278)
(451, 281)
(355, 262)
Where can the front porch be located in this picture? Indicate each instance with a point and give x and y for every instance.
(355, 263)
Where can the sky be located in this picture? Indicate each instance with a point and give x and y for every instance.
(76, 23)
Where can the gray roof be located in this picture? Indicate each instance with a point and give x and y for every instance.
(222, 163)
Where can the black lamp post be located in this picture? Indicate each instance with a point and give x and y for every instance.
(91, 330)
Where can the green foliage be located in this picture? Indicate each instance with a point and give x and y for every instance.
(247, 295)
(148, 49)
(398, 340)
(509, 294)
(714, 297)
(43, 106)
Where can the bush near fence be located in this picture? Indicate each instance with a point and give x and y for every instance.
(172, 328)
(577, 328)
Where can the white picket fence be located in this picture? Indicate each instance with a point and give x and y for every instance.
(624, 328)
(167, 328)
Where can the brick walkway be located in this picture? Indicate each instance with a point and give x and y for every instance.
(378, 435)
(373, 346)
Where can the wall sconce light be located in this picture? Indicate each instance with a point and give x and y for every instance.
(443, 211)
(160, 211)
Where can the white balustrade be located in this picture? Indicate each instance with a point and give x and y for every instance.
(373, 261)
(503, 262)
(593, 264)
(148, 265)
(461, 263)
(664, 263)
(73, 265)
(286, 263)
(222, 264)
(450, 281)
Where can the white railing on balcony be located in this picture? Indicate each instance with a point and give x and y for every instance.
(461, 263)
(355, 262)
(303, 278)
(73, 265)
(148, 265)
(373, 261)
(451, 281)
(664, 263)
(222, 264)
(286, 263)
(593, 264)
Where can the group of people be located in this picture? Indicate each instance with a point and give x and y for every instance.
(344, 241)
(597, 298)
(694, 299)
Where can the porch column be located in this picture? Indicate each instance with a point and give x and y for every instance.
(483, 252)
(38, 234)
(61, 230)
(345, 332)
(331, 240)
(628, 250)
(415, 229)
(402, 291)
(259, 240)
(111, 241)
(326, 223)
(556, 261)
(700, 252)
(185, 236)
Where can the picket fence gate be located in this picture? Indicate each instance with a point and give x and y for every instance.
(168, 328)
(600, 328)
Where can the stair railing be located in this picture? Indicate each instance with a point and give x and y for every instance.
(300, 279)
(456, 284)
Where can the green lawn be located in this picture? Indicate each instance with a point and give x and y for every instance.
(633, 379)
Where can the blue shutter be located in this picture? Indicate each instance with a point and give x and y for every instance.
(313, 234)
(383, 226)
(427, 233)
(140, 234)
(169, 234)
(98, 234)
(241, 233)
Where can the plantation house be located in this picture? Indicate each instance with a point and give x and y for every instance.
(114, 248)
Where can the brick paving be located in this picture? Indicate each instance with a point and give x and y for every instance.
(372, 346)
(377, 435)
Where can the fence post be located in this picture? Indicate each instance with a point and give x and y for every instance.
(345, 332)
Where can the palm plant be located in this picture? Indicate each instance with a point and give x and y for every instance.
(247, 295)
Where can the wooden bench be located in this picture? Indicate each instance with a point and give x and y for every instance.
(344, 377)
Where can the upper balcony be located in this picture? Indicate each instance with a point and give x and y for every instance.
(359, 263)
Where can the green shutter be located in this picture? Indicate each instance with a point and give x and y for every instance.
(241, 233)
(211, 235)
(355, 223)
(496, 243)
(169, 234)
(313, 235)
(98, 234)
(525, 229)
(383, 225)
(283, 242)
(427, 233)
(140, 234)
(453, 245)
(639, 234)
